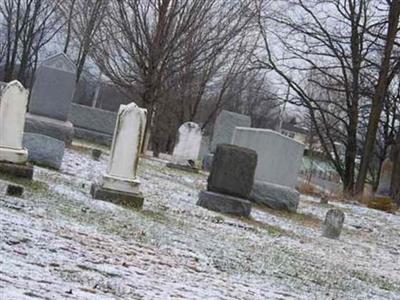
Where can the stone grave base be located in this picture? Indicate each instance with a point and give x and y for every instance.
(44, 150)
(22, 171)
(384, 203)
(93, 136)
(131, 200)
(224, 203)
(182, 167)
(60, 130)
(275, 196)
(17, 156)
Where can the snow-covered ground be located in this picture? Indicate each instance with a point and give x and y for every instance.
(58, 243)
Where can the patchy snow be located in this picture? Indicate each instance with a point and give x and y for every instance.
(57, 242)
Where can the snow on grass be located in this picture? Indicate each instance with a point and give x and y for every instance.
(57, 242)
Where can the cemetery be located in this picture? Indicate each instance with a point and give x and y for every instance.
(244, 149)
(103, 222)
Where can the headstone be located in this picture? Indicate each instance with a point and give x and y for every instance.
(333, 224)
(96, 154)
(120, 183)
(187, 147)
(230, 181)
(53, 88)
(13, 104)
(51, 98)
(225, 125)
(279, 162)
(383, 198)
(44, 151)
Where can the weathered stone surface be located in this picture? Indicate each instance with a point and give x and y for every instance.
(232, 171)
(224, 203)
(93, 119)
(279, 157)
(333, 224)
(53, 88)
(93, 136)
(43, 150)
(225, 125)
(60, 130)
(207, 162)
(13, 102)
(15, 190)
(22, 171)
(130, 200)
(188, 143)
(275, 196)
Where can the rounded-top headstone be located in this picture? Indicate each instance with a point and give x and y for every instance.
(232, 171)
(333, 224)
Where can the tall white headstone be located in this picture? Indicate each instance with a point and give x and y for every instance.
(188, 144)
(13, 105)
(120, 183)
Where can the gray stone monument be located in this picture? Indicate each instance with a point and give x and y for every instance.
(224, 129)
(51, 98)
(187, 147)
(230, 181)
(120, 184)
(279, 161)
(333, 224)
(13, 156)
(49, 106)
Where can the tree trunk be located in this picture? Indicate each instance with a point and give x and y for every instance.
(379, 96)
(396, 172)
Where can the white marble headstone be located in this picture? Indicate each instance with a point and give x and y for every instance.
(189, 143)
(13, 104)
(126, 146)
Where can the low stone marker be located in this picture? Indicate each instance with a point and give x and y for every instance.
(50, 101)
(187, 148)
(15, 190)
(13, 156)
(120, 184)
(333, 224)
(279, 161)
(230, 181)
(383, 199)
(96, 154)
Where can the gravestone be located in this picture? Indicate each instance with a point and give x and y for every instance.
(187, 147)
(333, 224)
(230, 181)
(383, 197)
(51, 98)
(120, 183)
(224, 129)
(225, 125)
(13, 156)
(279, 162)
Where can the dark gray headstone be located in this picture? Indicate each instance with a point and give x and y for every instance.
(44, 150)
(53, 88)
(275, 196)
(224, 203)
(333, 224)
(233, 170)
(225, 125)
(15, 190)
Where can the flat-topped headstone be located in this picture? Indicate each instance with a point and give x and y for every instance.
(120, 183)
(188, 144)
(225, 125)
(232, 171)
(53, 88)
(14, 99)
(333, 224)
(279, 157)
